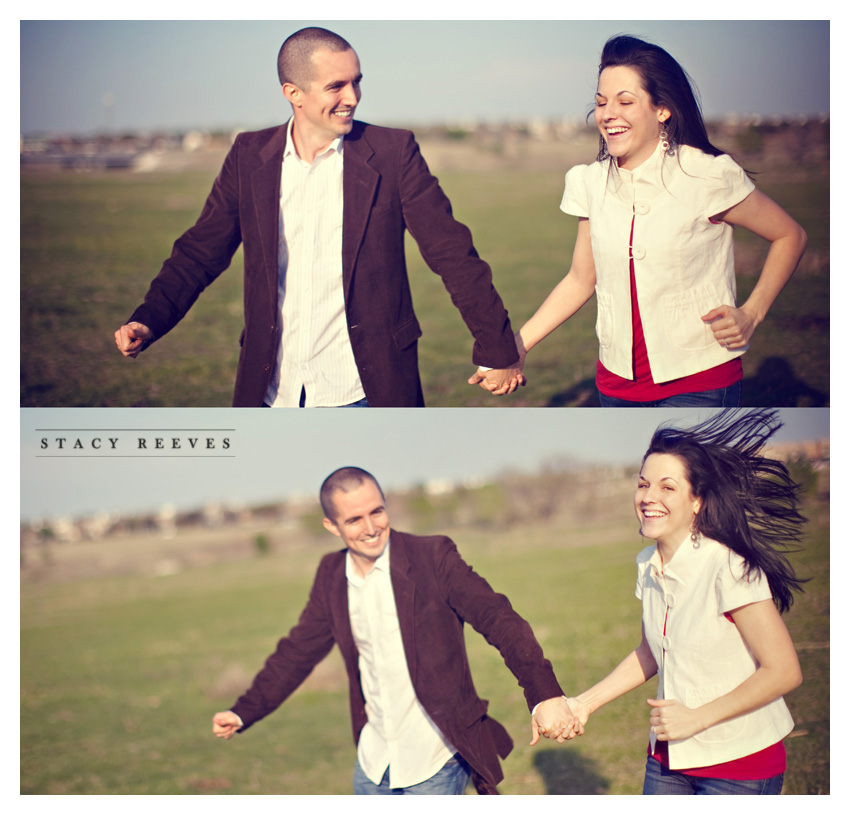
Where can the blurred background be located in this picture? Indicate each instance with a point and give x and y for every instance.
(155, 580)
(124, 125)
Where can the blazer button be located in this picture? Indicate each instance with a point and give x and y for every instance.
(267, 368)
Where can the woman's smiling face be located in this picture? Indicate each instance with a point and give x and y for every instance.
(664, 503)
(626, 117)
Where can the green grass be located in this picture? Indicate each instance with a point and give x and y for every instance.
(91, 243)
(120, 676)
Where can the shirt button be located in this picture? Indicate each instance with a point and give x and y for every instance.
(671, 601)
(638, 252)
(665, 643)
(641, 207)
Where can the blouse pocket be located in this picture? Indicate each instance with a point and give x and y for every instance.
(683, 313)
(719, 733)
(604, 318)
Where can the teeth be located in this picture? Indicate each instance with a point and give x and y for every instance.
(650, 514)
(613, 130)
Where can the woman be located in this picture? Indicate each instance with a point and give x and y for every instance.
(712, 587)
(654, 242)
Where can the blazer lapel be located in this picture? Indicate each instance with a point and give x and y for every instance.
(359, 184)
(404, 590)
(265, 194)
(337, 593)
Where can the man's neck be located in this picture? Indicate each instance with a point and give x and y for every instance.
(307, 149)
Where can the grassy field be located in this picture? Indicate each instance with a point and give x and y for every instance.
(91, 243)
(121, 674)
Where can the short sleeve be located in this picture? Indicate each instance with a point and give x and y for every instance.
(575, 200)
(726, 185)
(736, 589)
(642, 561)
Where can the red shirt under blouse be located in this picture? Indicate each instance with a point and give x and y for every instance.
(642, 388)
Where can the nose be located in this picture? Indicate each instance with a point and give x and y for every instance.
(370, 527)
(649, 496)
(350, 96)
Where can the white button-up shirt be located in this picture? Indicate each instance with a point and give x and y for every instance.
(684, 263)
(399, 733)
(699, 652)
(315, 351)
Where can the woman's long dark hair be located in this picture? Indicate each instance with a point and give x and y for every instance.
(667, 85)
(748, 501)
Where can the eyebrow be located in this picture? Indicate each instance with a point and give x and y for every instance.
(619, 93)
(663, 478)
(335, 82)
(380, 508)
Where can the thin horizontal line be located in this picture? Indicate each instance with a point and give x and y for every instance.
(135, 429)
(120, 456)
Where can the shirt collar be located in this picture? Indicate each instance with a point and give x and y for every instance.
(382, 564)
(289, 150)
(685, 558)
(647, 175)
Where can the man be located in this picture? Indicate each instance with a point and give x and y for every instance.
(396, 604)
(320, 206)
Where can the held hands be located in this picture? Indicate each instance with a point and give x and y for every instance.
(503, 380)
(732, 326)
(499, 380)
(581, 710)
(555, 720)
(131, 338)
(670, 720)
(225, 724)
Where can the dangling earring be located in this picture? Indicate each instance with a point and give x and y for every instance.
(696, 537)
(666, 145)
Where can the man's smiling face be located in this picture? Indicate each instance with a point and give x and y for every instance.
(325, 110)
(360, 520)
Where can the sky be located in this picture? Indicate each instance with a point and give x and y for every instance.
(83, 76)
(275, 454)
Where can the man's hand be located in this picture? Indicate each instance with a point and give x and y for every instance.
(225, 724)
(498, 380)
(555, 720)
(131, 338)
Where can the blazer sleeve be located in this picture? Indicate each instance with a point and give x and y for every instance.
(492, 616)
(446, 245)
(199, 256)
(307, 644)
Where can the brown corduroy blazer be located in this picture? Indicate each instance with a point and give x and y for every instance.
(436, 593)
(387, 189)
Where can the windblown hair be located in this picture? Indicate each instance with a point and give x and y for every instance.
(748, 501)
(667, 85)
(295, 58)
(345, 479)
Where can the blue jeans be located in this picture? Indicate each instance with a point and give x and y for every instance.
(364, 402)
(450, 780)
(661, 781)
(720, 397)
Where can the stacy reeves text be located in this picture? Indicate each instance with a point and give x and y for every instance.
(136, 443)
